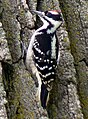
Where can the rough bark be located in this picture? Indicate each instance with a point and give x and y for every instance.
(75, 14)
(68, 99)
(19, 86)
(4, 54)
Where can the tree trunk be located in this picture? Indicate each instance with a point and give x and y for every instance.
(68, 99)
(75, 14)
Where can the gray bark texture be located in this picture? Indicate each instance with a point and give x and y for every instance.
(69, 96)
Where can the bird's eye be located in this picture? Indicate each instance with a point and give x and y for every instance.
(46, 12)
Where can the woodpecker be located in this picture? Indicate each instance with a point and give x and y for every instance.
(42, 53)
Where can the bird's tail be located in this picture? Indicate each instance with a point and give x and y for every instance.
(44, 95)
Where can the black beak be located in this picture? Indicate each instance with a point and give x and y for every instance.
(40, 14)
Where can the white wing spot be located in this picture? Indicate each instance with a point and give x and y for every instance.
(50, 68)
(41, 68)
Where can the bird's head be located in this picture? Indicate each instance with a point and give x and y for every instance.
(53, 17)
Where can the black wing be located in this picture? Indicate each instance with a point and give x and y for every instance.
(42, 57)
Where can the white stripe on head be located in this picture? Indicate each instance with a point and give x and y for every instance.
(54, 12)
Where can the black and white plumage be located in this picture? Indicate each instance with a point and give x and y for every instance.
(42, 53)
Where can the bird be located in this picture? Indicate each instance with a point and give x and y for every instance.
(43, 52)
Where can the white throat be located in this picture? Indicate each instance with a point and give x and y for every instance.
(55, 25)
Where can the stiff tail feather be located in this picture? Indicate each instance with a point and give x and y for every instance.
(44, 95)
